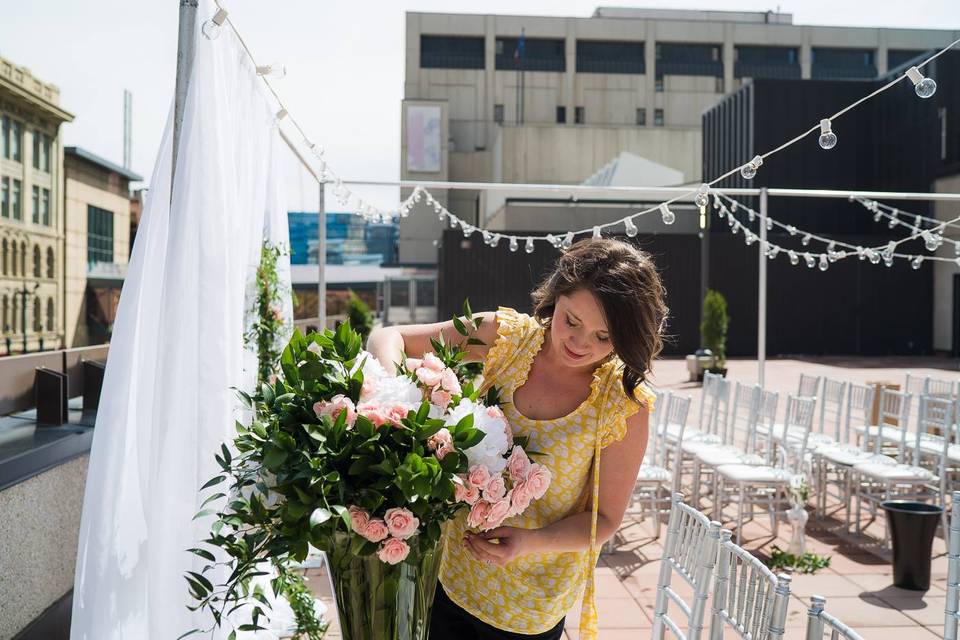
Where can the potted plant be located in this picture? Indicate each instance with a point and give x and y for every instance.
(713, 330)
(361, 319)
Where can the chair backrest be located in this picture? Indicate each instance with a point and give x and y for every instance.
(767, 416)
(831, 407)
(916, 386)
(748, 599)
(894, 409)
(795, 434)
(951, 614)
(674, 410)
(809, 386)
(935, 423)
(691, 554)
(714, 403)
(943, 388)
(743, 414)
(819, 621)
(859, 409)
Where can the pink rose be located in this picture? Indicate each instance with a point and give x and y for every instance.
(495, 489)
(428, 377)
(337, 405)
(441, 443)
(518, 464)
(401, 523)
(412, 364)
(520, 498)
(494, 412)
(449, 382)
(498, 512)
(537, 479)
(432, 362)
(369, 388)
(397, 413)
(478, 476)
(441, 399)
(466, 493)
(393, 551)
(375, 413)
(375, 530)
(507, 431)
(358, 518)
(478, 514)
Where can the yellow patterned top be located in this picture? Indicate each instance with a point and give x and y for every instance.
(532, 593)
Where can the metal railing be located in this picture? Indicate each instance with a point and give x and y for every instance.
(17, 374)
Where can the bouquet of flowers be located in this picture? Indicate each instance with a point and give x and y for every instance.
(362, 465)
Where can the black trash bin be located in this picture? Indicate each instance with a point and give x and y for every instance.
(912, 525)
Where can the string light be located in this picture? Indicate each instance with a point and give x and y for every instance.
(828, 139)
(749, 170)
(596, 233)
(702, 199)
(276, 71)
(666, 214)
(211, 28)
(514, 245)
(924, 87)
(631, 229)
(567, 240)
(528, 247)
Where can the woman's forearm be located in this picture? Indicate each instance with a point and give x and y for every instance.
(386, 345)
(572, 533)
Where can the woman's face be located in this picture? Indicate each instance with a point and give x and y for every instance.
(578, 330)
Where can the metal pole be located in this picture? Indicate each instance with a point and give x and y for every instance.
(321, 262)
(762, 293)
(185, 51)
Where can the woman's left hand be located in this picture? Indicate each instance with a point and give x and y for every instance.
(511, 543)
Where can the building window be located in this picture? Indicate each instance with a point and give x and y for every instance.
(451, 52)
(658, 83)
(99, 235)
(15, 316)
(36, 204)
(688, 59)
(4, 136)
(5, 197)
(498, 113)
(900, 57)
(578, 115)
(45, 207)
(536, 54)
(37, 315)
(51, 263)
(13, 262)
(6, 313)
(610, 57)
(766, 62)
(23, 259)
(16, 211)
(37, 261)
(6, 257)
(561, 115)
(719, 85)
(50, 315)
(829, 63)
(16, 141)
(641, 117)
(658, 117)
(41, 151)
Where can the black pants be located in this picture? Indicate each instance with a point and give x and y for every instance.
(450, 622)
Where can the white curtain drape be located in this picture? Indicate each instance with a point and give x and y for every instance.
(177, 350)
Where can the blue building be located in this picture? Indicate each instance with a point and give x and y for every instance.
(350, 239)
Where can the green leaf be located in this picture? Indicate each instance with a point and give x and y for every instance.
(274, 458)
(466, 308)
(203, 553)
(212, 482)
(319, 516)
(201, 579)
(461, 329)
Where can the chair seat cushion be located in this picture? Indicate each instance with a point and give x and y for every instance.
(795, 434)
(727, 455)
(651, 473)
(888, 433)
(754, 474)
(846, 455)
(886, 468)
(704, 443)
(932, 446)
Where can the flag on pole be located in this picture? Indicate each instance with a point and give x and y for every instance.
(521, 43)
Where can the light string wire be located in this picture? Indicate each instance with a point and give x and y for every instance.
(371, 212)
(874, 254)
(881, 210)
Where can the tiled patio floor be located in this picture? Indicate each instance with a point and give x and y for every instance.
(857, 585)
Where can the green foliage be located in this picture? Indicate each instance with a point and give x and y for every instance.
(266, 330)
(713, 326)
(302, 602)
(290, 475)
(807, 563)
(359, 315)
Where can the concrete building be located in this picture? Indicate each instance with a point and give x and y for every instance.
(480, 106)
(31, 211)
(98, 206)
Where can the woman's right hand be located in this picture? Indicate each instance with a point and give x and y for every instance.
(386, 345)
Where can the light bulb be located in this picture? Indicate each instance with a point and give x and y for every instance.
(567, 240)
(749, 238)
(957, 261)
(668, 216)
(809, 260)
(794, 258)
(792, 230)
(769, 224)
(805, 240)
(416, 195)
(552, 239)
(888, 252)
(751, 215)
(861, 254)
(631, 228)
(956, 249)
(749, 170)
(824, 265)
(893, 220)
(774, 252)
(888, 261)
(917, 262)
(486, 237)
(931, 241)
(513, 244)
(832, 255)
(211, 28)
(440, 216)
(468, 230)
(925, 87)
(528, 247)
(877, 216)
(828, 139)
(733, 207)
(496, 240)
(716, 202)
(276, 71)
(702, 199)
(596, 233)
(873, 256)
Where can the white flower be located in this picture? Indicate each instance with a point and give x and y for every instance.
(490, 451)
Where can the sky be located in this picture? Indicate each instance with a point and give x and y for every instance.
(344, 61)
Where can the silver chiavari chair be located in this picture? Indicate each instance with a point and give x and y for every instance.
(951, 613)
(691, 554)
(819, 622)
(748, 599)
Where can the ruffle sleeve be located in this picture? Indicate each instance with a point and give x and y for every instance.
(514, 349)
(620, 408)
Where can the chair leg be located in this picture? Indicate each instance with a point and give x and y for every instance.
(740, 511)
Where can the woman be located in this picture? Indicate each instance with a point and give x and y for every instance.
(572, 379)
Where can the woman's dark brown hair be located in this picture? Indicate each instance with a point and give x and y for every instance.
(628, 287)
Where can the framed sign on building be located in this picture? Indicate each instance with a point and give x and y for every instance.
(423, 138)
